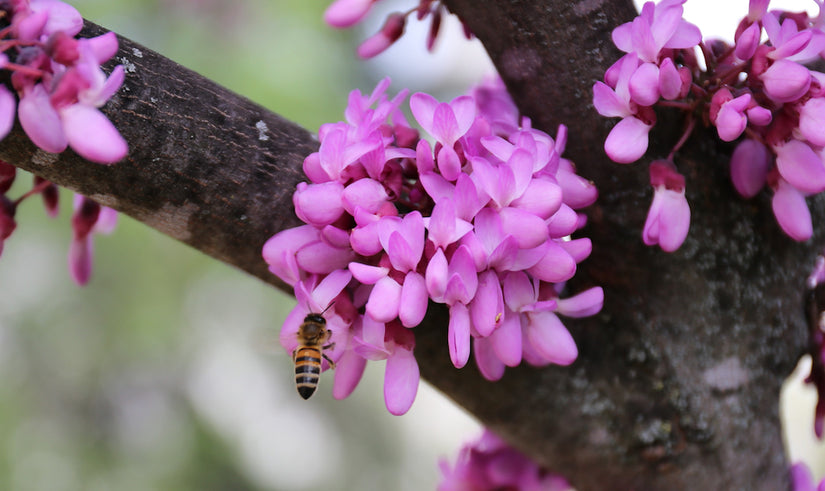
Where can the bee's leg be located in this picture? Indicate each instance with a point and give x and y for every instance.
(331, 363)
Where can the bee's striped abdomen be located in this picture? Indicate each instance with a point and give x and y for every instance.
(307, 370)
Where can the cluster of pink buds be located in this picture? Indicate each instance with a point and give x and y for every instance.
(480, 222)
(491, 464)
(89, 217)
(58, 80)
(346, 13)
(759, 90)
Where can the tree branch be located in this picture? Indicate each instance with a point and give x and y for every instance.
(677, 382)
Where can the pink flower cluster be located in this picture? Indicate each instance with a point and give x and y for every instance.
(58, 80)
(89, 218)
(480, 222)
(346, 13)
(759, 90)
(490, 464)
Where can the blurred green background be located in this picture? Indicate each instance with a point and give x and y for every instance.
(165, 372)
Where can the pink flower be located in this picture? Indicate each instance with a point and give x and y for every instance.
(67, 114)
(321, 295)
(543, 330)
(383, 39)
(749, 167)
(786, 81)
(668, 219)
(489, 463)
(812, 121)
(748, 41)
(657, 27)
(791, 211)
(89, 217)
(294, 253)
(446, 122)
(319, 204)
(628, 140)
(391, 342)
(454, 283)
(730, 120)
(346, 13)
(801, 166)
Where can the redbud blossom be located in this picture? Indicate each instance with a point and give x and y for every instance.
(383, 39)
(59, 82)
(749, 166)
(397, 224)
(669, 216)
(89, 217)
(757, 89)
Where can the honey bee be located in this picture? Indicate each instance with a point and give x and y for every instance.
(312, 336)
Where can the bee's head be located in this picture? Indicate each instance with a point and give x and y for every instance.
(316, 318)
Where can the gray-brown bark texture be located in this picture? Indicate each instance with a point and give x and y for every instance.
(677, 382)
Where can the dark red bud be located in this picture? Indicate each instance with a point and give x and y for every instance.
(62, 48)
(7, 174)
(84, 218)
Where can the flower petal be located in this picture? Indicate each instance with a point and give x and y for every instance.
(801, 166)
(812, 121)
(487, 362)
(384, 300)
(749, 166)
(7, 107)
(41, 121)
(348, 372)
(627, 141)
(792, 212)
(786, 81)
(90, 133)
(401, 379)
(644, 84)
(458, 333)
(413, 303)
(551, 339)
(583, 304)
(507, 339)
(487, 306)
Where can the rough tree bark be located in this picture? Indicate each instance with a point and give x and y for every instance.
(677, 382)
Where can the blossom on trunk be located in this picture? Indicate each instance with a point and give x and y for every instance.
(757, 93)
